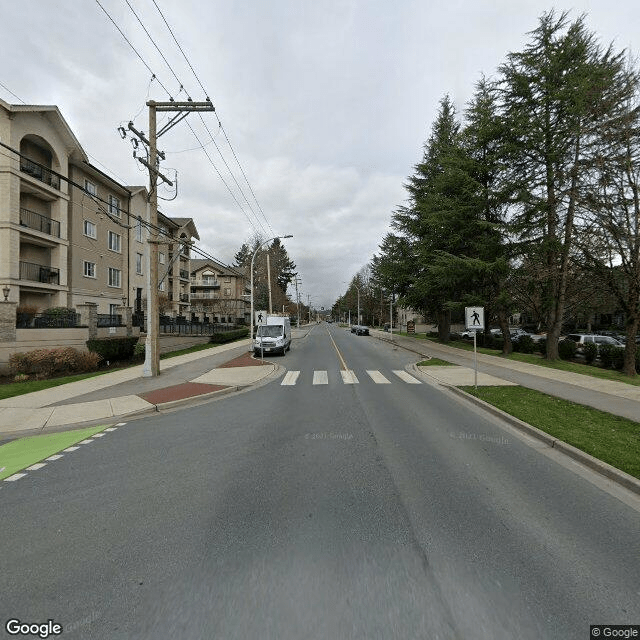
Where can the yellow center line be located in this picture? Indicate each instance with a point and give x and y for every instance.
(335, 346)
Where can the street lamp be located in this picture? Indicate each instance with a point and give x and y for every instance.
(252, 259)
(5, 292)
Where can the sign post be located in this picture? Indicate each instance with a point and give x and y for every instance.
(474, 321)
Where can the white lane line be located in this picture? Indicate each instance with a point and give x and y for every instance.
(377, 377)
(320, 377)
(86, 441)
(405, 377)
(290, 378)
(98, 435)
(35, 467)
(14, 477)
(111, 429)
(120, 424)
(349, 377)
(56, 457)
(69, 449)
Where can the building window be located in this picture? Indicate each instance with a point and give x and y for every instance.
(114, 206)
(114, 241)
(89, 269)
(90, 229)
(161, 286)
(113, 309)
(90, 188)
(227, 292)
(114, 277)
(161, 257)
(138, 263)
(211, 280)
(139, 230)
(227, 279)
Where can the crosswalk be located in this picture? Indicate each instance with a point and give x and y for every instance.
(346, 376)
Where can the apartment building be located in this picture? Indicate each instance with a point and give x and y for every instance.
(69, 233)
(219, 293)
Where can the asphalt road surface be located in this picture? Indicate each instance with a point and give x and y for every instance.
(320, 508)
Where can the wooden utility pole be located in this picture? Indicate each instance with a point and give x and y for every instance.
(182, 110)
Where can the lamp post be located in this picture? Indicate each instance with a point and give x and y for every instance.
(6, 290)
(252, 259)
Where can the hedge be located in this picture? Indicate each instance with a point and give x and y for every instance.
(229, 336)
(113, 348)
(49, 362)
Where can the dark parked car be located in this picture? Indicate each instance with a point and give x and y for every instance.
(360, 330)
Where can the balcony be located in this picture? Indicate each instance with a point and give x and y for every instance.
(39, 173)
(184, 297)
(205, 295)
(204, 282)
(184, 274)
(38, 222)
(39, 273)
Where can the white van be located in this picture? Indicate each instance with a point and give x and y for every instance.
(273, 337)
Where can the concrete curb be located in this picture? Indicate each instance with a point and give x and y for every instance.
(195, 400)
(602, 468)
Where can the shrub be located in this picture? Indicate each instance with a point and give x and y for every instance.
(617, 357)
(567, 349)
(542, 346)
(87, 361)
(590, 352)
(45, 363)
(139, 350)
(524, 344)
(20, 377)
(606, 355)
(229, 336)
(113, 348)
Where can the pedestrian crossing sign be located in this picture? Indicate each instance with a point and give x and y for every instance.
(474, 318)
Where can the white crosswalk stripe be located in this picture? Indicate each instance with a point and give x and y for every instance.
(290, 378)
(348, 377)
(320, 377)
(405, 377)
(377, 377)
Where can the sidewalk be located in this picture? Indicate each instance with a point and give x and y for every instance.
(110, 396)
(610, 396)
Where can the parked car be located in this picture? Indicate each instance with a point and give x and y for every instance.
(360, 330)
(584, 338)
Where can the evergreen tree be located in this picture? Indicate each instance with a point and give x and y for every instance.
(555, 96)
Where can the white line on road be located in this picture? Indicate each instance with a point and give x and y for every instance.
(377, 377)
(56, 457)
(320, 377)
(69, 449)
(86, 441)
(349, 377)
(290, 378)
(405, 377)
(14, 477)
(98, 435)
(35, 467)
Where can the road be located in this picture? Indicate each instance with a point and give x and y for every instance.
(382, 508)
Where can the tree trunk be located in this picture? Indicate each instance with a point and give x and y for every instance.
(444, 325)
(507, 346)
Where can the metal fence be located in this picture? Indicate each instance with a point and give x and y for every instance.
(46, 321)
(195, 328)
(109, 320)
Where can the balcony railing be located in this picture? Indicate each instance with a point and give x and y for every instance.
(205, 283)
(205, 295)
(39, 273)
(39, 173)
(184, 274)
(39, 222)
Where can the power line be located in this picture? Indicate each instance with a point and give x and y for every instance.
(184, 55)
(201, 118)
(11, 92)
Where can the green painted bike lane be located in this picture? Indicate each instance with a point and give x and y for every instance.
(24, 452)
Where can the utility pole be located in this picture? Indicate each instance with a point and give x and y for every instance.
(182, 109)
(298, 281)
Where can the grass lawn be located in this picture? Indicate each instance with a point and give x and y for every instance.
(609, 438)
(435, 362)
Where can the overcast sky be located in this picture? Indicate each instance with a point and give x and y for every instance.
(327, 103)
